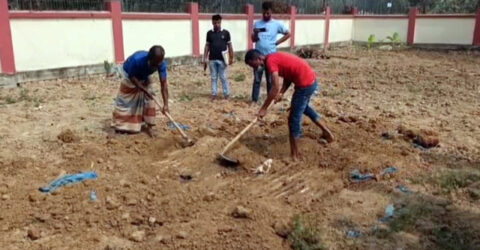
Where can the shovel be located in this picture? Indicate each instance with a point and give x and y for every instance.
(189, 142)
(228, 161)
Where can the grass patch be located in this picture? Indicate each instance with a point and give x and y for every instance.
(89, 96)
(449, 180)
(241, 97)
(23, 96)
(333, 92)
(454, 239)
(10, 100)
(406, 217)
(239, 78)
(413, 88)
(184, 97)
(305, 234)
(199, 83)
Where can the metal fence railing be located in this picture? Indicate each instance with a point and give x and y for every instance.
(238, 6)
(56, 4)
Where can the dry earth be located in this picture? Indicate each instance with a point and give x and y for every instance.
(53, 128)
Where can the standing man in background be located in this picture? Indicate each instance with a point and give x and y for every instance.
(218, 40)
(264, 35)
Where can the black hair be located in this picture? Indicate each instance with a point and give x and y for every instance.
(268, 5)
(252, 55)
(156, 50)
(216, 17)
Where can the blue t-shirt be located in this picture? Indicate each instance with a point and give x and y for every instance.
(266, 40)
(137, 66)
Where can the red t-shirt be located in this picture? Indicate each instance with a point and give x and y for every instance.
(291, 68)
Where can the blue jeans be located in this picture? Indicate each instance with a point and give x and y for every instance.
(299, 107)
(257, 80)
(218, 69)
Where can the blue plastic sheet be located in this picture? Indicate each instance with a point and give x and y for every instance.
(93, 195)
(352, 233)
(404, 189)
(356, 176)
(389, 212)
(182, 126)
(68, 180)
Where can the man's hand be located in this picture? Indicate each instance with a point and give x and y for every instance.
(230, 60)
(279, 97)
(165, 109)
(261, 113)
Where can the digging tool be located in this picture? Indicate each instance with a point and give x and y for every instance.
(227, 161)
(189, 142)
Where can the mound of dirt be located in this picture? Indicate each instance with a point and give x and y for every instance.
(68, 136)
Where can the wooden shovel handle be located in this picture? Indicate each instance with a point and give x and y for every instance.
(239, 135)
(173, 121)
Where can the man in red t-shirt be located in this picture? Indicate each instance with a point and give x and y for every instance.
(297, 71)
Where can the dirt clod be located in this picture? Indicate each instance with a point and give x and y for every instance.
(137, 236)
(34, 234)
(241, 212)
(67, 136)
(182, 235)
(111, 203)
(282, 228)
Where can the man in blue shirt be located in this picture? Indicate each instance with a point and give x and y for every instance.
(264, 35)
(134, 104)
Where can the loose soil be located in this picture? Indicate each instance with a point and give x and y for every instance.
(61, 127)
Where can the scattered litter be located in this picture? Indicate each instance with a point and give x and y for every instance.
(387, 136)
(389, 170)
(186, 177)
(404, 189)
(425, 142)
(182, 126)
(389, 212)
(93, 196)
(352, 233)
(68, 179)
(264, 168)
(355, 175)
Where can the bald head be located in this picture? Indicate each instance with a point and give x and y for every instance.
(156, 54)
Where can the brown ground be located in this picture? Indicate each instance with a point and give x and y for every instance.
(52, 128)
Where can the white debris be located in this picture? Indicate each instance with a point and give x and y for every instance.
(264, 168)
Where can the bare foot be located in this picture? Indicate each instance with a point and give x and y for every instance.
(148, 130)
(297, 157)
(213, 98)
(111, 134)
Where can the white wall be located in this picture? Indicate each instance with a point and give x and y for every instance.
(175, 36)
(58, 43)
(444, 31)
(381, 28)
(309, 32)
(341, 30)
(238, 33)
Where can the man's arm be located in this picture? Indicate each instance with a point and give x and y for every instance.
(231, 54)
(271, 95)
(285, 86)
(206, 52)
(255, 36)
(164, 87)
(283, 39)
